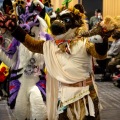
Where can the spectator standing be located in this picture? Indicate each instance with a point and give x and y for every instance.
(96, 18)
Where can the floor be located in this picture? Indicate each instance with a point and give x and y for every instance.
(109, 97)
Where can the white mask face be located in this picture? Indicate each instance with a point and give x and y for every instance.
(99, 17)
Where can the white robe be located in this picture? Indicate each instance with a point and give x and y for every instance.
(69, 69)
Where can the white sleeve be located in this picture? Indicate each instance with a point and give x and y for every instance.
(96, 39)
(4, 58)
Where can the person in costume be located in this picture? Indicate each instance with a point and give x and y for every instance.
(42, 10)
(114, 53)
(70, 81)
(27, 81)
(96, 18)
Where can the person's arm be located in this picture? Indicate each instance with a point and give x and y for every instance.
(110, 53)
(116, 49)
(4, 58)
(97, 50)
(96, 30)
(28, 41)
(20, 35)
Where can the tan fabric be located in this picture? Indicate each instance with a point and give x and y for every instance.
(67, 68)
(71, 114)
(80, 84)
(80, 105)
(76, 93)
(52, 97)
(70, 72)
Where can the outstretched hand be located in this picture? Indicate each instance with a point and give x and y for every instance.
(8, 22)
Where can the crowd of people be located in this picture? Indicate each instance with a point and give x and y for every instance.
(49, 58)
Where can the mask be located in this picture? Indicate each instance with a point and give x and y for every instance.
(99, 17)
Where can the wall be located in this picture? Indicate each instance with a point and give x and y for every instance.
(111, 7)
(58, 3)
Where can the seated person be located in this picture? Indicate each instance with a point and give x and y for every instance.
(115, 46)
(114, 52)
(96, 18)
(113, 63)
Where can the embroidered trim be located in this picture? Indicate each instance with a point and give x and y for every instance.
(79, 95)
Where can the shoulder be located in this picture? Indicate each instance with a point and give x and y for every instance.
(92, 17)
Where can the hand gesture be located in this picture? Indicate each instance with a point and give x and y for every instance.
(8, 22)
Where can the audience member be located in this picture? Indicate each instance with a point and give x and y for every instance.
(115, 46)
(96, 18)
(114, 52)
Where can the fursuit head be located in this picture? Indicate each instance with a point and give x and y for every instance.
(65, 25)
(27, 15)
(32, 23)
(65, 22)
(104, 28)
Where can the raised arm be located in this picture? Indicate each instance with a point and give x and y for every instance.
(28, 41)
(20, 35)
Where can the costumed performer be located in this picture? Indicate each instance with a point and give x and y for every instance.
(68, 63)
